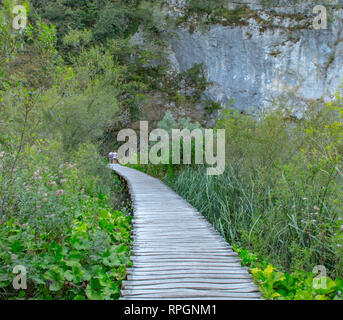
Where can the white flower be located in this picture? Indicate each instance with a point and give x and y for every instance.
(59, 193)
(36, 176)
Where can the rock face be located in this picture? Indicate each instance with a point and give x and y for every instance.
(254, 65)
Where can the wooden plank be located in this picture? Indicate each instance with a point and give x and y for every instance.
(194, 258)
(142, 282)
(185, 271)
(232, 287)
(146, 297)
(178, 276)
(185, 264)
(190, 253)
(174, 293)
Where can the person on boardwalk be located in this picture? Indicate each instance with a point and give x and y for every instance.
(110, 157)
(114, 158)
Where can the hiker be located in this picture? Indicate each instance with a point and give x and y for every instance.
(115, 158)
(110, 157)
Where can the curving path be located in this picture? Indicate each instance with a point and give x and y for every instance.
(177, 254)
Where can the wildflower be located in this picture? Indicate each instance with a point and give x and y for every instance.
(339, 246)
(316, 208)
(341, 229)
(52, 183)
(37, 176)
(45, 199)
(14, 257)
(2, 154)
(304, 199)
(59, 193)
(63, 181)
(339, 292)
(45, 195)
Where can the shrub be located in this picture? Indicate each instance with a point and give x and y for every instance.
(62, 227)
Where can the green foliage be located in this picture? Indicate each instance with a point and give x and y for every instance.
(62, 214)
(212, 106)
(209, 12)
(204, 6)
(107, 19)
(63, 230)
(281, 192)
(112, 23)
(168, 171)
(187, 86)
(77, 38)
(298, 285)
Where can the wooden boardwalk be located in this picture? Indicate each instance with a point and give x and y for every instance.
(177, 254)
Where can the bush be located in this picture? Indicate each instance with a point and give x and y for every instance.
(62, 227)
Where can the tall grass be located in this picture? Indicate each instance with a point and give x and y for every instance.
(282, 192)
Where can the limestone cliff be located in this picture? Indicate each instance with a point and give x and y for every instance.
(264, 53)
